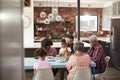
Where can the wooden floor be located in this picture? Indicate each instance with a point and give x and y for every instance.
(111, 74)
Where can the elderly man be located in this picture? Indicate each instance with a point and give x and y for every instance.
(96, 53)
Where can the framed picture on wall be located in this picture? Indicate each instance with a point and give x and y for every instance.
(27, 3)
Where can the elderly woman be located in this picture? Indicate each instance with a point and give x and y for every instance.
(96, 53)
(78, 60)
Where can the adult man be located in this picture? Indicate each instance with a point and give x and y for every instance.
(96, 53)
(70, 42)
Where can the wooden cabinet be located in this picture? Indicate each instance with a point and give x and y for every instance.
(116, 8)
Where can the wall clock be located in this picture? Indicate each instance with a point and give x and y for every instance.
(26, 21)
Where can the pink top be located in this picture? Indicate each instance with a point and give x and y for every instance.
(42, 64)
(52, 52)
(75, 62)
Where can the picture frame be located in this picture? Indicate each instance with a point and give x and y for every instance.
(27, 3)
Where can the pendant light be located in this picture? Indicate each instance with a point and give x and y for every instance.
(54, 9)
(43, 13)
(58, 17)
(50, 15)
(46, 20)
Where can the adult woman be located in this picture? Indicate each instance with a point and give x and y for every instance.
(46, 44)
(70, 42)
(78, 60)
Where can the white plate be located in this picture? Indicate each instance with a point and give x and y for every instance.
(50, 59)
(61, 61)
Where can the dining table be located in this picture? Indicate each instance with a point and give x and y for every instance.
(29, 62)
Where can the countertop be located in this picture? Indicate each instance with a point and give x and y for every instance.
(55, 44)
(58, 44)
(106, 39)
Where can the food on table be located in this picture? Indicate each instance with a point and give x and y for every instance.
(61, 58)
(49, 57)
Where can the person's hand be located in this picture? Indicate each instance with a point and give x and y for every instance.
(66, 50)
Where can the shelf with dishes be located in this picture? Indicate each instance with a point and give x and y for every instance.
(54, 30)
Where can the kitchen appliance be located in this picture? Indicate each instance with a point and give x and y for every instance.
(115, 42)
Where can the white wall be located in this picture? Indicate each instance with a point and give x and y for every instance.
(28, 32)
(106, 18)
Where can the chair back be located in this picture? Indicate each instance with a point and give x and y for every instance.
(107, 59)
(82, 74)
(100, 76)
(44, 74)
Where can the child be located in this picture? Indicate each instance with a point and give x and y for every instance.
(64, 50)
(41, 54)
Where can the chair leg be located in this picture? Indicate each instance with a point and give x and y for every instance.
(98, 76)
(104, 78)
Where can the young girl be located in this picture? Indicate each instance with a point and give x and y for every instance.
(41, 54)
(64, 50)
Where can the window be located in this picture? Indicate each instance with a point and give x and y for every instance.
(87, 23)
